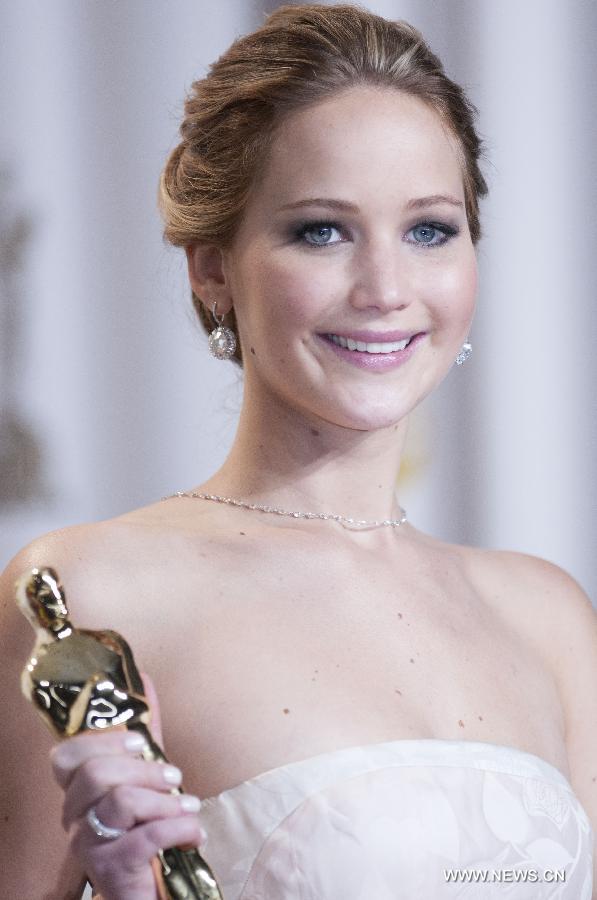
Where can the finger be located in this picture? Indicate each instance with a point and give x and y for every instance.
(123, 860)
(156, 719)
(96, 777)
(145, 840)
(67, 756)
(127, 805)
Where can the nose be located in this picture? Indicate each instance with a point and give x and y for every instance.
(381, 280)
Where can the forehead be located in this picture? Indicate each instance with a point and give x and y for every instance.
(363, 140)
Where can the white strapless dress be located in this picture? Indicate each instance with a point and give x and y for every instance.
(404, 820)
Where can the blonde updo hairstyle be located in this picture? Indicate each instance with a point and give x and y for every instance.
(301, 55)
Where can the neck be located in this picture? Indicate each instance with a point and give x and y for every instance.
(281, 457)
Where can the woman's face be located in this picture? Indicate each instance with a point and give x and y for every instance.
(342, 236)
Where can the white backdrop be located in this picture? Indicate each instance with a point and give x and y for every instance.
(109, 398)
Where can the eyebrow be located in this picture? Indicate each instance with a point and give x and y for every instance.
(415, 203)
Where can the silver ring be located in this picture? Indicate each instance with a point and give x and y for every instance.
(103, 831)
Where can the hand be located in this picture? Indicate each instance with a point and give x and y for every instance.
(103, 772)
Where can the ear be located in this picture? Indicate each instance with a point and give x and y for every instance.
(208, 277)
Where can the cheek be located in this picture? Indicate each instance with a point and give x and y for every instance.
(454, 293)
(295, 295)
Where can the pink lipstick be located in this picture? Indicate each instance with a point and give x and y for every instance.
(377, 362)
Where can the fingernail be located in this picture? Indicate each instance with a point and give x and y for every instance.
(172, 775)
(189, 803)
(134, 741)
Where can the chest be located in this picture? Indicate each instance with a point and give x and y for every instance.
(281, 656)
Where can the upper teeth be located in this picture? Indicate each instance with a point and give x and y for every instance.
(368, 348)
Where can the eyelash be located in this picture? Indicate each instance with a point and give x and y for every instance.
(447, 230)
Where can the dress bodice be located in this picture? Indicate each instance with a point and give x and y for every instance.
(390, 821)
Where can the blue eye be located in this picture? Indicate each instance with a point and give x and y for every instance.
(320, 233)
(428, 230)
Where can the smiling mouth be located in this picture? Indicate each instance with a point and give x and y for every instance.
(366, 347)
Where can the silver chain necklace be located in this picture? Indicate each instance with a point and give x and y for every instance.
(345, 521)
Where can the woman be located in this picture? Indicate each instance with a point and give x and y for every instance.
(365, 707)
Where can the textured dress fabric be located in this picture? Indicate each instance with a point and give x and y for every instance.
(426, 819)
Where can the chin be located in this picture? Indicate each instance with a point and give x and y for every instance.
(365, 416)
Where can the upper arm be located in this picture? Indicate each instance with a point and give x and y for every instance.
(574, 649)
(31, 802)
(563, 622)
(556, 618)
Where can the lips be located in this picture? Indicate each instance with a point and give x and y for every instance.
(379, 362)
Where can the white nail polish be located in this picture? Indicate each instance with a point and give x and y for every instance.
(172, 775)
(189, 803)
(134, 741)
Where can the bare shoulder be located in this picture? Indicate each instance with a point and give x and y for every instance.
(67, 550)
(536, 598)
(99, 563)
(543, 601)
(529, 593)
(532, 592)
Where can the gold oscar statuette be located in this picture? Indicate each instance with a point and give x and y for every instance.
(81, 680)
